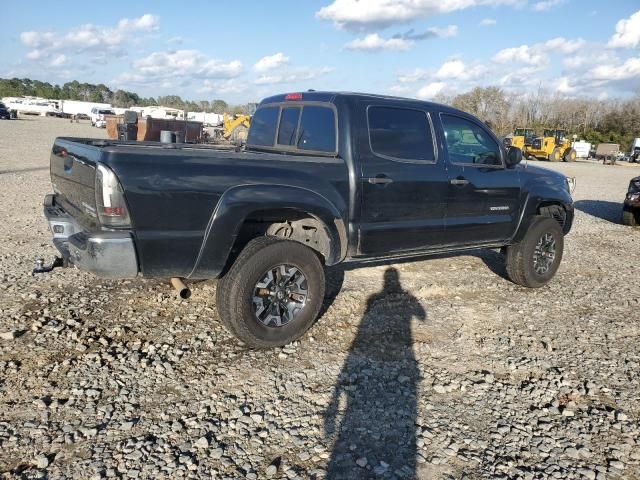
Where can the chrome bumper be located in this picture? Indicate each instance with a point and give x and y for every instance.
(106, 254)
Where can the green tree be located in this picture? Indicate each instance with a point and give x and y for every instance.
(219, 106)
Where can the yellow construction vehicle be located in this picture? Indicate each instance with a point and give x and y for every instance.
(522, 138)
(236, 127)
(554, 145)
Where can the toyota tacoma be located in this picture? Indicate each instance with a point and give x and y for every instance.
(324, 178)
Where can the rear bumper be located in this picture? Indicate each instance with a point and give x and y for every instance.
(106, 254)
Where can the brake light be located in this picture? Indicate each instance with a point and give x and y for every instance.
(110, 202)
(293, 96)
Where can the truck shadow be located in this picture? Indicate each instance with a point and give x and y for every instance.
(609, 211)
(372, 413)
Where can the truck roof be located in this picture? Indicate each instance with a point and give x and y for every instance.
(330, 96)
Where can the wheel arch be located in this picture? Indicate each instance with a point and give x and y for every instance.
(557, 208)
(247, 211)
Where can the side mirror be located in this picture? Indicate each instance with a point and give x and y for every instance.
(514, 156)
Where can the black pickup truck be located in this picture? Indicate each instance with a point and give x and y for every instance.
(324, 178)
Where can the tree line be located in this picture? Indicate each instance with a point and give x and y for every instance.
(89, 92)
(596, 121)
(592, 120)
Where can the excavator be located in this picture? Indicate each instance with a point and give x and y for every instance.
(236, 127)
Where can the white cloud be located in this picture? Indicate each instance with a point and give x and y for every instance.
(145, 22)
(564, 86)
(186, 63)
(291, 76)
(414, 76)
(58, 60)
(487, 22)
(451, 69)
(521, 77)
(271, 62)
(223, 87)
(562, 45)
(545, 5)
(356, 15)
(629, 69)
(374, 42)
(400, 90)
(100, 41)
(445, 32)
(538, 53)
(627, 32)
(522, 54)
(430, 90)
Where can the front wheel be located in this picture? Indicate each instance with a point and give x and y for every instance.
(272, 293)
(554, 156)
(535, 259)
(570, 155)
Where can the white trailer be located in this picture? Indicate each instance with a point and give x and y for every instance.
(78, 109)
(207, 119)
(582, 148)
(162, 112)
(33, 106)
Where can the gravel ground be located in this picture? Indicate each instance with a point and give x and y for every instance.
(438, 368)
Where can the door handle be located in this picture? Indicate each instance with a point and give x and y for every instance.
(459, 181)
(379, 180)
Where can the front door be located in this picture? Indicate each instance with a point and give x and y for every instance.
(483, 201)
(403, 183)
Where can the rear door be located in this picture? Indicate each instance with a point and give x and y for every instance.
(483, 200)
(403, 183)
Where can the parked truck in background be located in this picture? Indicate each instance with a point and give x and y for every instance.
(324, 178)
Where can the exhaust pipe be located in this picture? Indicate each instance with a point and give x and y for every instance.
(181, 288)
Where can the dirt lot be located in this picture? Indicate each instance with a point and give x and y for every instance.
(439, 368)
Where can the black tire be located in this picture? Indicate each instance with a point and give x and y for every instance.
(570, 155)
(629, 217)
(235, 291)
(554, 156)
(520, 261)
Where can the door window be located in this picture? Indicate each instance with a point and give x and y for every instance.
(468, 143)
(400, 133)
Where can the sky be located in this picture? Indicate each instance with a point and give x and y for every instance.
(244, 51)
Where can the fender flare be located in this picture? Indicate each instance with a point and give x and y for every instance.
(239, 202)
(530, 208)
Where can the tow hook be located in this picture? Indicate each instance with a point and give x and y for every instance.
(40, 267)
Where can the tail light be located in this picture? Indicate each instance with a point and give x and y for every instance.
(110, 203)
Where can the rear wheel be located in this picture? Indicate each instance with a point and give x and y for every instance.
(535, 259)
(554, 156)
(630, 217)
(570, 155)
(272, 293)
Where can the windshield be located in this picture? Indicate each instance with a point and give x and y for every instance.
(523, 132)
(106, 112)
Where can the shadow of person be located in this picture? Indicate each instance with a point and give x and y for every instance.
(372, 413)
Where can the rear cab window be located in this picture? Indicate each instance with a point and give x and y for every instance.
(302, 127)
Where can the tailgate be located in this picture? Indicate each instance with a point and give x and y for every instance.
(73, 170)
